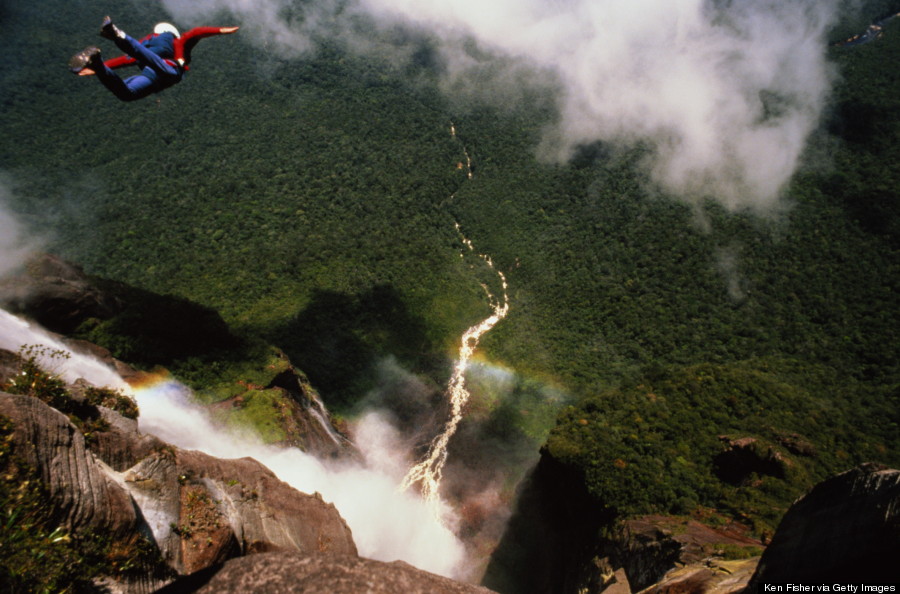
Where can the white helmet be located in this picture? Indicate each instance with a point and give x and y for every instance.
(161, 28)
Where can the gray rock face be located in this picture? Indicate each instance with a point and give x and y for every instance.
(284, 572)
(84, 495)
(200, 510)
(203, 510)
(846, 528)
(310, 425)
(122, 445)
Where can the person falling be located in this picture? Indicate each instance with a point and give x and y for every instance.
(163, 57)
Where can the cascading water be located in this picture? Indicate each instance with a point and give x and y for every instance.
(318, 411)
(16, 333)
(387, 524)
(469, 173)
(429, 471)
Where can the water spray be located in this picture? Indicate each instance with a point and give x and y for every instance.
(387, 525)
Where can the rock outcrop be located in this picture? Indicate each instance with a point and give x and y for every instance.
(657, 550)
(310, 428)
(58, 294)
(663, 554)
(152, 330)
(713, 576)
(746, 457)
(298, 417)
(225, 525)
(846, 529)
(122, 445)
(285, 572)
(84, 496)
(203, 510)
(142, 327)
(558, 541)
(200, 510)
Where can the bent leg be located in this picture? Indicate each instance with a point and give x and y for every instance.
(145, 57)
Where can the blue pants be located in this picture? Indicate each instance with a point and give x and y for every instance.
(156, 74)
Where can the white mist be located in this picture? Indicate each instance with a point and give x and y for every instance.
(387, 524)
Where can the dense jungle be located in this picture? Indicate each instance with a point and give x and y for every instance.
(312, 201)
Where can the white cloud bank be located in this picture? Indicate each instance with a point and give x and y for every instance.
(726, 91)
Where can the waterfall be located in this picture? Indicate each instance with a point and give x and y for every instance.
(16, 333)
(429, 471)
(387, 524)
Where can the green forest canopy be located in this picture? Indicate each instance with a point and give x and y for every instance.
(312, 201)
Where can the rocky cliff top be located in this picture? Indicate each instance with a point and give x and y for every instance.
(198, 510)
(846, 528)
(283, 572)
(58, 294)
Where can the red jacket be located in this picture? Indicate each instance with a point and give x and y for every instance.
(182, 46)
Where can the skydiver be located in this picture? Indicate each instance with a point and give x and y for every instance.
(163, 57)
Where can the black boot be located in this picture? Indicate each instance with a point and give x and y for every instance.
(89, 57)
(110, 31)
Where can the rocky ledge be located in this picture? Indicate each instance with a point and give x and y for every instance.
(199, 513)
(846, 529)
(198, 510)
(318, 574)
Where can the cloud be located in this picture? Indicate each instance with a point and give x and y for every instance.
(280, 24)
(15, 242)
(727, 263)
(726, 92)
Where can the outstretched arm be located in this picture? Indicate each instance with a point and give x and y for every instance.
(190, 38)
(185, 44)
